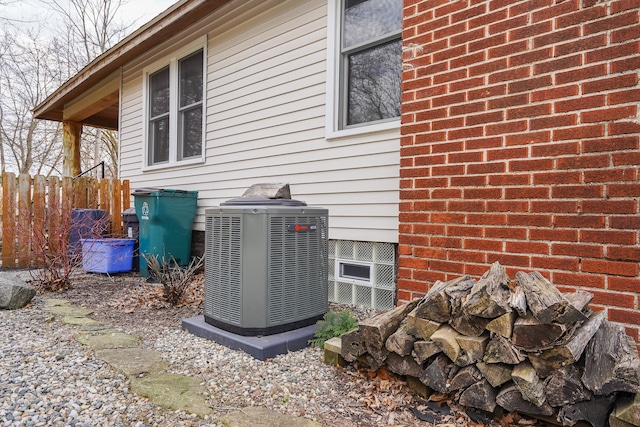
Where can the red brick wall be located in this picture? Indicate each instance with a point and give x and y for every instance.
(520, 144)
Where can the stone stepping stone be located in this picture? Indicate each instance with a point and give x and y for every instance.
(108, 339)
(133, 361)
(96, 327)
(69, 311)
(173, 391)
(54, 302)
(80, 321)
(263, 417)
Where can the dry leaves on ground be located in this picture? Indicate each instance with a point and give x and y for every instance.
(130, 303)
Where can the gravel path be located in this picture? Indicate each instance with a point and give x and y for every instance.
(49, 379)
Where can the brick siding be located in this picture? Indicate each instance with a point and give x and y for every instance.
(520, 144)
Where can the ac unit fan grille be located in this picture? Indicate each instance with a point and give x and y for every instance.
(297, 276)
(223, 272)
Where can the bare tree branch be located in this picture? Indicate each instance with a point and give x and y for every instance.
(33, 63)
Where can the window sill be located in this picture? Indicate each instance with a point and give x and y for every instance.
(173, 165)
(363, 130)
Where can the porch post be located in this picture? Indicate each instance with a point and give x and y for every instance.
(71, 147)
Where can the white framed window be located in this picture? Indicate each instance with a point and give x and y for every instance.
(364, 66)
(353, 271)
(174, 106)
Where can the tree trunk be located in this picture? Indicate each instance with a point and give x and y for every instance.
(564, 387)
(529, 384)
(437, 375)
(353, 345)
(569, 351)
(473, 348)
(532, 335)
(467, 324)
(403, 365)
(496, 373)
(419, 327)
(502, 325)
(436, 305)
(445, 337)
(422, 350)
(465, 377)
(400, 342)
(501, 350)
(594, 411)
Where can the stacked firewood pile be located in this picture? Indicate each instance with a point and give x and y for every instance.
(521, 345)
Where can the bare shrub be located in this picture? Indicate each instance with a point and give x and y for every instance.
(55, 257)
(174, 279)
(54, 262)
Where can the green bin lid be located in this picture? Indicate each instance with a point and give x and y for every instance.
(168, 192)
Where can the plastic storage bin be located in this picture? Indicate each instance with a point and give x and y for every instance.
(132, 230)
(107, 255)
(131, 224)
(86, 224)
(165, 219)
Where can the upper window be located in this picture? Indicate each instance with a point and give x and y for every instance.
(370, 62)
(175, 110)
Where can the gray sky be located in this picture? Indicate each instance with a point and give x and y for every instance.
(26, 12)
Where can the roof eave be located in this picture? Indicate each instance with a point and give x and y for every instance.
(159, 29)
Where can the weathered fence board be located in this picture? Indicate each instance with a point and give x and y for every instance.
(36, 212)
(104, 195)
(116, 214)
(24, 220)
(55, 219)
(8, 221)
(39, 216)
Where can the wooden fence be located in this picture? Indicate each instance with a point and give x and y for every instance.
(36, 212)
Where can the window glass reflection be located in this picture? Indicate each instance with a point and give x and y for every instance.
(159, 92)
(192, 132)
(190, 72)
(176, 110)
(160, 137)
(374, 84)
(365, 20)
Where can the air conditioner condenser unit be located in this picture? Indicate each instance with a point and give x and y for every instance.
(266, 265)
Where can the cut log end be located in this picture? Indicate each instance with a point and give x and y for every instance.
(480, 395)
(527, 348)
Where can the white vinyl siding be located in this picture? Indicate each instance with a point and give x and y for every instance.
(265, 122)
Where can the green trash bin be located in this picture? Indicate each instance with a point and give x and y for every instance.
(165, 218)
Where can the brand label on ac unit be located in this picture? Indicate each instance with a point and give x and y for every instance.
(301, 228)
